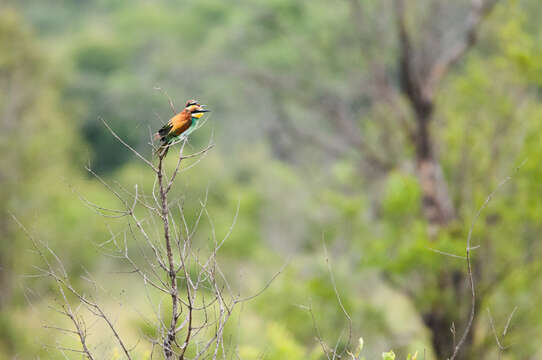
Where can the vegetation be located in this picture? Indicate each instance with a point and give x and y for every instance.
(355, 140)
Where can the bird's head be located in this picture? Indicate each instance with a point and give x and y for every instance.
(195, 109)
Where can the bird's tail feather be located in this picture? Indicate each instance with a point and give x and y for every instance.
(162, 150)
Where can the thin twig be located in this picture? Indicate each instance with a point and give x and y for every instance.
(469, 265)
(141, 157)
(338, 297)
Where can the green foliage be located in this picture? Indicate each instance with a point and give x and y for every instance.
(401, 197)
(99, 57)
(390, 355)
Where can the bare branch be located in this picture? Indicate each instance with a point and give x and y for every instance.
(170, 101)
(78, 324)
(469, 265)
(509, 321)
(338, 300)
(265, 287)
(492, 324)
(501, 347)
(141, 157)
(480, 9)
(448, 254)
(170, 338)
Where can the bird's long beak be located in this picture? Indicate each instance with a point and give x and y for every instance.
(200, 111)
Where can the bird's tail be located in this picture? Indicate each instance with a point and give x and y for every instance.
(164, 147)
(162, 150)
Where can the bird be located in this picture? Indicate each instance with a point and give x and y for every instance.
(179, 126)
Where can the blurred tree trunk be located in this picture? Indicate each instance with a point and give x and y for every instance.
(419, 82)
(419, 79)
(436, 202)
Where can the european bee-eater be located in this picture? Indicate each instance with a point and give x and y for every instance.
(179, 126)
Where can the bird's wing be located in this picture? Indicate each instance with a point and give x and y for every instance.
(179, 123)
(164, 130)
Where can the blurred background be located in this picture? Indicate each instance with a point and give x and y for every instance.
(373, 127)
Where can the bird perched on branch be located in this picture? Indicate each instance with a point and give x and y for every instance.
(179, 126)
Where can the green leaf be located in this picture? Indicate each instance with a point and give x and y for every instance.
(360, 345)
(388, 355)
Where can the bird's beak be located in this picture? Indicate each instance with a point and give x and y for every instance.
(198, 113)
